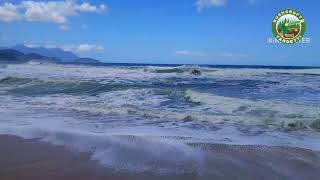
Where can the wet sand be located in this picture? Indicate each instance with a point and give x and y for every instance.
(32, 160)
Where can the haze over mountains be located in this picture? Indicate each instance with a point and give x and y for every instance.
(22, 53)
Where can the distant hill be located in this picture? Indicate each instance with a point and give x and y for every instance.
(14, 56)
(11, 55)
(86, 60)
(61, 54)
(38, 57)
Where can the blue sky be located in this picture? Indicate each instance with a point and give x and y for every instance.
(162, 31)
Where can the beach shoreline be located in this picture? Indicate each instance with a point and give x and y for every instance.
(32, 159)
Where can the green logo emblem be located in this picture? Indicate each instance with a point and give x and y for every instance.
(288, 26)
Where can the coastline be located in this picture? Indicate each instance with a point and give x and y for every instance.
(32, 159)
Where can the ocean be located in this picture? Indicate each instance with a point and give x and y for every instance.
(144, 117)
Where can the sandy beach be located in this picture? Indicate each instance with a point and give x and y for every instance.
(30, 159)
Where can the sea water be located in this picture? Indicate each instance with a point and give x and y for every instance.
(144, 117)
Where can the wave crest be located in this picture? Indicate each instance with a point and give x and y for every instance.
(258, 112)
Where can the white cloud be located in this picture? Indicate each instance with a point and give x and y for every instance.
(190, 53)
(87, 7)
(47, 11)
(30, 45)
(56, 11)
(196, 54)
(89, 47)
(64, 27)
(51, 11)
(77, 48)
(103, 8)
(202, 4)
(233, 55)
(9, 13)
(82, 47)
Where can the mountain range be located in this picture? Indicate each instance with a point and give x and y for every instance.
(21, 53)
(49, 52)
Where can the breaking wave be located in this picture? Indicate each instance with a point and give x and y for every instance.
(259, 112)
(124, 152)
(30, 86)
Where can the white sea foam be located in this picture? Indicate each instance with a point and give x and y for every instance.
(256, 112)
(145, 104)
(140, 147)
(233, 72)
